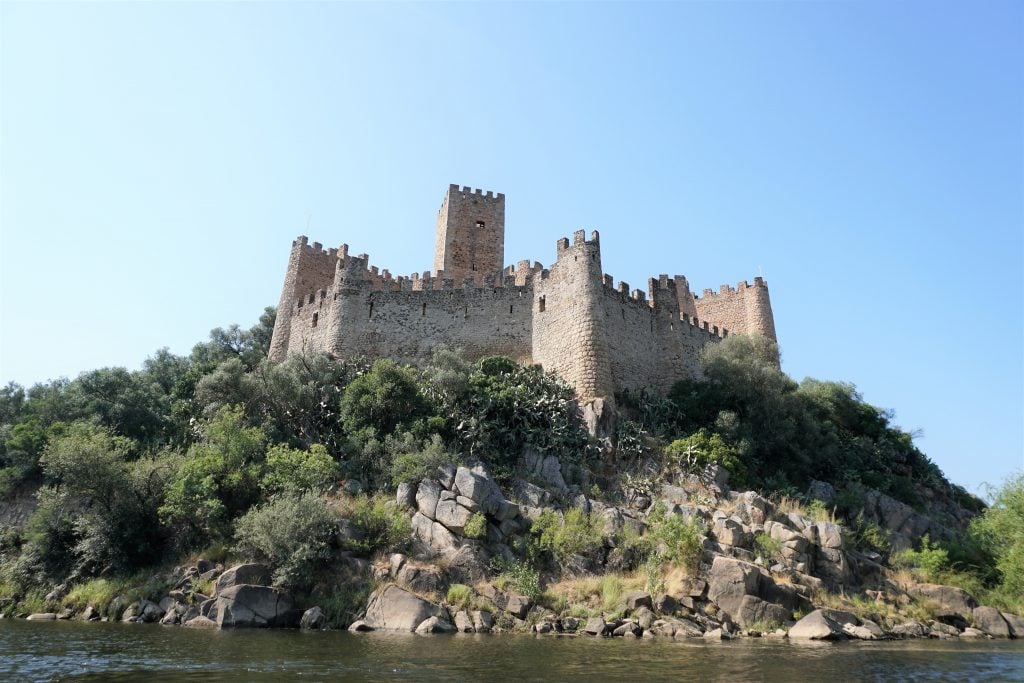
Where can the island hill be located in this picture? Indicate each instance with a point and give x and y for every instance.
(321, 470)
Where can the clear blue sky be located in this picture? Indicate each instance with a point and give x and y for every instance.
(156, 161)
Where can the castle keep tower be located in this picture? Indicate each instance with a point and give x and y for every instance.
(571, 318)
(470, 239)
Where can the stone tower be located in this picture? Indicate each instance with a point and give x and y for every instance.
(470, 239)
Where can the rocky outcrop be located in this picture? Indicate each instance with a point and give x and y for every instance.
(392, 608)
(246, 606)
(748, 594)
(250, 574)
(816, 626)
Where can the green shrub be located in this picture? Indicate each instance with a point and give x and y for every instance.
(1000, 530)
(517, 575)
(767, 547)
(675, 539)
(386, 398)
(293, 533)
(383, 524)
(412, 465)
(703, 448)
(574, 533)
(927, 562)
(290, 469)
(818, 511)
(865, 535)
(460, 596)
(476, 526)
(344, 602)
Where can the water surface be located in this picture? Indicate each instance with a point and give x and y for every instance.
(64, 651)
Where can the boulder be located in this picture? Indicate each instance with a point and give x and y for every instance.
(754, 610)
(394, 609)
(862, 632)
(427, 496)
(666, 604)
(1016, 624)
(731, 531)
(823, 491)
(816, 626)
(42, 616)
(446, 475)
(435, 625)
(250, 574)
(595, 626)
(143, 611)
(730, 581)
(420, 579)
(515, 604)
(483, 622)
(463, 621)
(910, 629)
(954, 602)
(248, 606)
(199, 622)
(971, 632)
(405, 496)
(90, 614)
(476, 485)
(715, 634)
(989, 620)
(359, 627)
(313, 619)
(452, 515)
(636, 599)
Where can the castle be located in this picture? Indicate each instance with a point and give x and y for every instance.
(569, 318)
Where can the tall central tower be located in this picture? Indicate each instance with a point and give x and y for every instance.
(470, 239)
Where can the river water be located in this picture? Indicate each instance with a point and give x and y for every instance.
(64, 651)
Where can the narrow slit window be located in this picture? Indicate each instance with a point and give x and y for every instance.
(540, 303)
(371, 309)
(316, 316)
(510, 309)
(481, 224)
(424, 310)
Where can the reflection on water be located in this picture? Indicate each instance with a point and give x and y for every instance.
(76, 651)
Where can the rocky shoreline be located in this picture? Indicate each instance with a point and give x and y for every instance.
(813, 587)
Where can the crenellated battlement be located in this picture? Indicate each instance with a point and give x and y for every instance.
(598, 334)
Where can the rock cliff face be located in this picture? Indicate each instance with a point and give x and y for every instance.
(760, 570)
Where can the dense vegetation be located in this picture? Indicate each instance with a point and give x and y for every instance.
(223, 452)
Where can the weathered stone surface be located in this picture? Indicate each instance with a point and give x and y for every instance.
(635, 599)
(665, 604)
(732, 532)
(971, 632)
(313, 619)
(245, 606)
(483, 622)
(143, 611)
(715, 634)
(200, 622)
(463, 621)
(476, 485)
(861, 632)
(427, 496)
(446, 475)
(90, 614)
(816, 626)
(910, 629)
(754, 610)
(595, 626)
(435, 625)
(42, 616)
(452, 515)
(823, 491)
(394, 609)
(1016, 624)
(731, 580)
(251, 574)
(405, 496)
(989, 620)
(952, 600)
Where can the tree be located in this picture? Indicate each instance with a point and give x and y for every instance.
(1001, 531)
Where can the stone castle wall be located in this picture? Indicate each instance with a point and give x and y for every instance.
(570, 318)
(743, 310)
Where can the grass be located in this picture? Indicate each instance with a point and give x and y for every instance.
(460, 596)
(815, 510)
(591, 595)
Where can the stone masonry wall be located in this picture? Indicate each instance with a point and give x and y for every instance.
(569, 319)
(470, 238)
(744, 310)
(569, 336)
